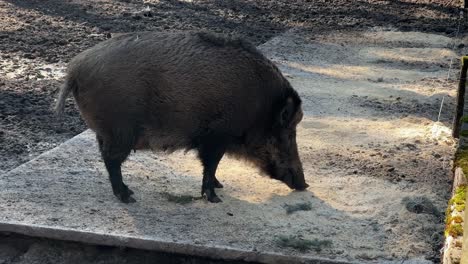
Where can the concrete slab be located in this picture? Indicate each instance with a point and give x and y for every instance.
(77, 206)
(368, 142)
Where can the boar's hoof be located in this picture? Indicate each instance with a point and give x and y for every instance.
(126, 199)
(214, 199)
(217, 184)
(211, 196)
(124, 195)
(130, 192)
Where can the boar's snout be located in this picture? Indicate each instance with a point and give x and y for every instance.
(295, 179)
(300, 184)
(292, 176)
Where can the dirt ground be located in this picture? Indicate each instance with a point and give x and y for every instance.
(38, 38)
(369, 116)
(377, 163)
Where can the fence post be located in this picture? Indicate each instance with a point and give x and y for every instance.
(457, 122)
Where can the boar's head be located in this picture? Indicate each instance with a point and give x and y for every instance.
(276, 154)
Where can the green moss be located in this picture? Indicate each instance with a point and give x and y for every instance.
(460, 207)
(457, 219)
(464, 60)
(453, 225)
(460, 196)
(458, 200)
(291, 208)
(461, 160)
(302, 244)
(180, 199)
(464, 119)
(464, 133)
(455, 230)
(450, 220)
(448, 215)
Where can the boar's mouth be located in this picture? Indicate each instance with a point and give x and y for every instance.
(296, 181)
(301, 187)
(288, 176)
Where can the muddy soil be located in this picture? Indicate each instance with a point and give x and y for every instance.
(37, 38)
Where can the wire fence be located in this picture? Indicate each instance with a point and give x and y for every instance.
(457, 33)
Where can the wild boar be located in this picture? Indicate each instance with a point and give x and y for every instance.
(193, 90)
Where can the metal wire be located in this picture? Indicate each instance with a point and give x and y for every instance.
(460, 18)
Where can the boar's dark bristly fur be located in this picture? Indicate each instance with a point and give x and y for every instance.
(193, 90)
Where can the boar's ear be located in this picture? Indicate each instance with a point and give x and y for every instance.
(291, 114)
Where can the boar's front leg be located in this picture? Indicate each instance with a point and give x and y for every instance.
(114, 154)
(210, 154)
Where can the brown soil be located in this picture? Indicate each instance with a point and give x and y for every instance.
(36, 36)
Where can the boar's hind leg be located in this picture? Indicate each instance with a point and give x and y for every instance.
(217, 184)
(210, 154)
(114, 154)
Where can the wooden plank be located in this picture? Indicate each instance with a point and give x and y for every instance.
(460, 98)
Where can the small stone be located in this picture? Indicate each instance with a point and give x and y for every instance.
(106, 27)
(420, 205)
(61, 42)
(366, 256)
(29, 56)
(411, 146)
(136, 16)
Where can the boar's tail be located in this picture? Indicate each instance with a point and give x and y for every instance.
(65, 90)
